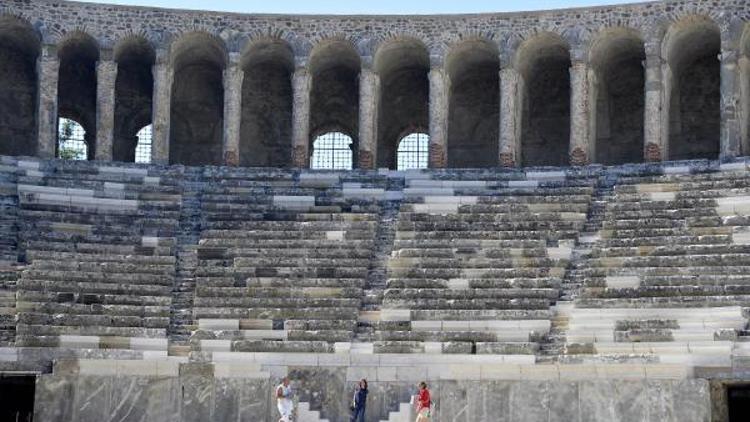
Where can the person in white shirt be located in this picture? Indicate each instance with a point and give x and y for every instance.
(284, 400)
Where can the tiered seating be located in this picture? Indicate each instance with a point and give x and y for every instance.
(283, 260)
(99, 241)
(8, 250)
(669, 276)
(478, 262)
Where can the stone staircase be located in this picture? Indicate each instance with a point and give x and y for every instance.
(8, 250)
(405, 413)
(183, 292)
(304, 414)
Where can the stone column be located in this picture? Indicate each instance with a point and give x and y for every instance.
(233, 77)
(439, 93)
(369, 102)
(106, 76)
(730, 104)
(744, 106)
(511, 110)
(163, 78)
(48, 67)
(301, 86)
(653, 145)
(580, 113)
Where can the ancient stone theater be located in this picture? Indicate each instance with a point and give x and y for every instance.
(545, 216)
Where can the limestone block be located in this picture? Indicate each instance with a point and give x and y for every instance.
(623, 282)
(218, 324)
(676, 169)
(545, 175)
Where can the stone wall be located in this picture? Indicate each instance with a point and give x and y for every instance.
(418, 73)
(195, 394)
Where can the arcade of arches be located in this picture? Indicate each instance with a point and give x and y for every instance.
(547, 105)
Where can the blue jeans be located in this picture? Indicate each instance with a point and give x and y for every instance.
(359, 414)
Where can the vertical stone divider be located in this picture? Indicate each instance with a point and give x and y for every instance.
(653, 143)
(301, 87)
(369, 103)
(233, 78)
(730, 103)
(106, 77)
(439, 102)
(163, 74)
(48, 71)
(580, 113)
(511, 110)
(743, 66)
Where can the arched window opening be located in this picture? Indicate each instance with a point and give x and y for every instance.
(691, 48)
(544, 64)
(413, 152)
(332, 151)
(133, 96)
(403, 66)
(474, 104)
(19, 49)
(71, 144)
(266, 126)
(143, 149)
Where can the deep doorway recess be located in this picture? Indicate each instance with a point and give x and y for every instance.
(17, 398)
(738, 398)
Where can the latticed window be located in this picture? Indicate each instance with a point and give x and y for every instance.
(71, 144)
(143, 149)
(332, 151)
(413, 151)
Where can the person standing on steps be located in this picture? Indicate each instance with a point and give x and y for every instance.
(424, 403)
(359, 401)
(284, 400)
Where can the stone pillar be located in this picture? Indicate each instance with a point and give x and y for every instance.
(653, 143)
(731, 145)
(580, 113)
(369, 102)
(233, 77)
(439, 93)
(511, 110)
(744, 107)
(163, 78)
(106, 76)
(48, 67)
(301, 86)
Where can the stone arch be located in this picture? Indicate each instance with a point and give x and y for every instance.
(266, 125)
(19, 49)
(616, 57)
(78, 53)
(197, 111)
(543, 62)
(691, 50)
(334, 66)
(403, 64)
(135, 57)
(473, 67)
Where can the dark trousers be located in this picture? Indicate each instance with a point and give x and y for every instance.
(358, 414)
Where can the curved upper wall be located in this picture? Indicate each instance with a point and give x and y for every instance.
(109, 23)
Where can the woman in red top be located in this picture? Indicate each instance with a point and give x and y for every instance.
(423, 403)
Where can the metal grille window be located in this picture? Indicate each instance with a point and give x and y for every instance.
(70, 140)
(332, 151)
(143, 149)
(413, 151)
